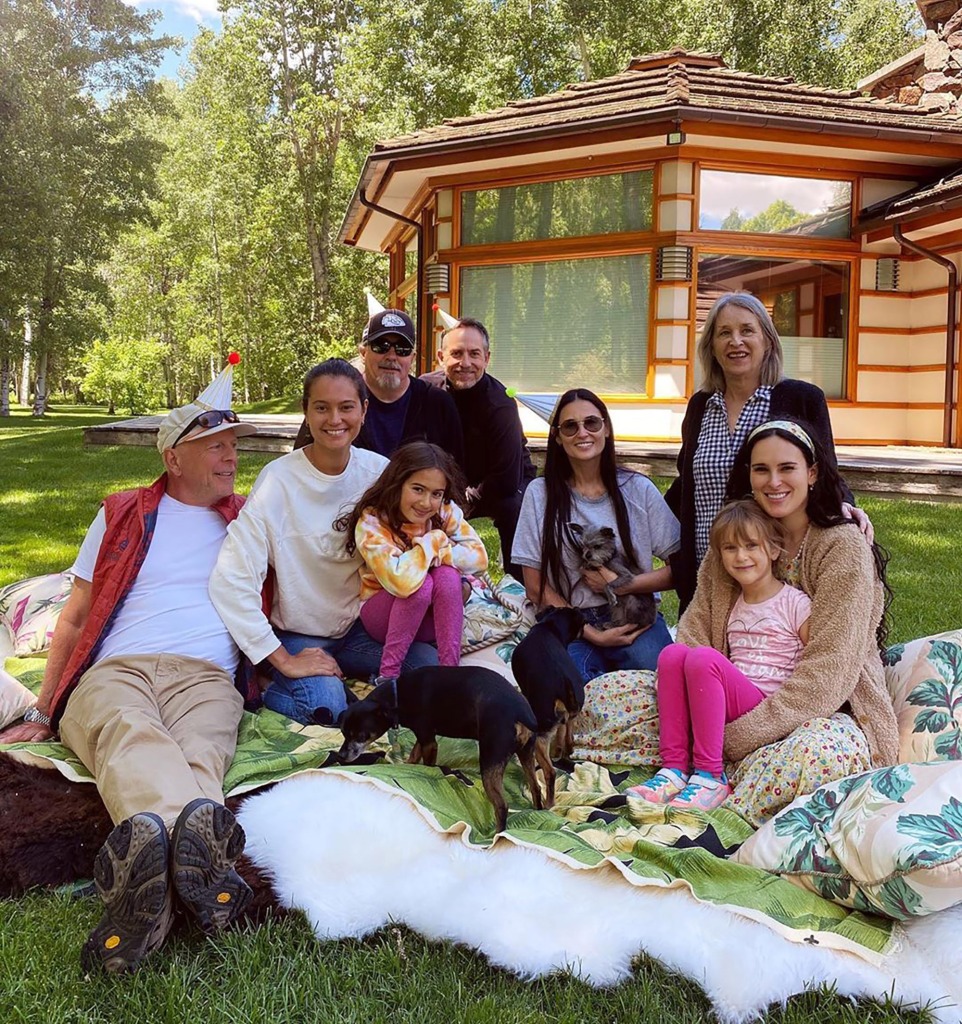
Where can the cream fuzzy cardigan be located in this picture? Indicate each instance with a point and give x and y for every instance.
(841, 660)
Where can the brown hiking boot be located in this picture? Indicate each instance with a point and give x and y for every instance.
(131, 874)
(206, 842)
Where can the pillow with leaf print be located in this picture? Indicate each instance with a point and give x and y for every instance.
(887, 842)
(924, 679)
(30, 610)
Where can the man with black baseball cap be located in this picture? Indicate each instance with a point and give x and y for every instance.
(400, 407)
(140, 683)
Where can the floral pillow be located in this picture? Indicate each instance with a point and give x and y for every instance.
(924, 679)
(887, 841)
(30, 609)
(494, 612)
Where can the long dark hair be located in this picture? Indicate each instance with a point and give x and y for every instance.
(557, 476)
(825, 498)
(383, 497)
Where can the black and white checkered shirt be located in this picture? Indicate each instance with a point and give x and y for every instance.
(715, 452)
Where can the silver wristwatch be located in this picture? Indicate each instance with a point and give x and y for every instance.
(33, 715)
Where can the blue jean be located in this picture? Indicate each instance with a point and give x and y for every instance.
(594, 661)
(358, 657)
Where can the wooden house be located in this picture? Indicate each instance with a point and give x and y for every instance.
(590, 230)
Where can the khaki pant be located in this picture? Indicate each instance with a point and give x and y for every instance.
(155, 730)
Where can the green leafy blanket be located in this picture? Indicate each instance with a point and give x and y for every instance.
(592, 823)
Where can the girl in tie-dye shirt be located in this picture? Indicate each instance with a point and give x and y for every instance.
(417, 547)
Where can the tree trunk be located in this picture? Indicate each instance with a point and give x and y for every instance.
(5, 386)
(304, 164)
(40, 394)
(24, 395)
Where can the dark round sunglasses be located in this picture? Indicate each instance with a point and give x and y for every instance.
(211, 418)
(401, 346)
(593, 424)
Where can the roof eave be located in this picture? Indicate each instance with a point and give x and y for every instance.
(887, 218)
(682, 112)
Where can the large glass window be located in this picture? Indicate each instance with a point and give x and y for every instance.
(807, 300)
(775, 204)
(599, 205)
(565, 323)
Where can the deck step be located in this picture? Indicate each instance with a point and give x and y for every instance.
(916, 472)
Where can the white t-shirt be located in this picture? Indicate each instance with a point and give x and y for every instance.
(287, 523)
(168, 609)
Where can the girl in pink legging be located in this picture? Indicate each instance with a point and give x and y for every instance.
(417, 546)
(700, 690)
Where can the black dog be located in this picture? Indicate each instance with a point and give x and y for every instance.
(552, 683)
(467, 703)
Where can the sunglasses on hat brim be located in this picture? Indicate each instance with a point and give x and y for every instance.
(207, 420)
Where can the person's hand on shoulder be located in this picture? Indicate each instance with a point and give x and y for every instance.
(614, 636)
(861, 520)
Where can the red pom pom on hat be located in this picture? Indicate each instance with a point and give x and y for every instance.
(234, 358)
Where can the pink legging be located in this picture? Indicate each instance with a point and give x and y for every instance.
(433, 613)
(699, 691)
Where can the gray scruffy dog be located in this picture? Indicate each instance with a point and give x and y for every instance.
(595, 546)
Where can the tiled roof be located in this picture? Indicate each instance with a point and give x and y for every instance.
(700, 83)
(944, 193)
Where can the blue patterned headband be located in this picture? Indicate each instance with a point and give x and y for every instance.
(792, 428)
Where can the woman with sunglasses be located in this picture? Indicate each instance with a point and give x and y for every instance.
(583, 484)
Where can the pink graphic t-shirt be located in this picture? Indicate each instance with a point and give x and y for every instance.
(763, 640)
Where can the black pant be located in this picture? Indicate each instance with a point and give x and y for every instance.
(504, 512)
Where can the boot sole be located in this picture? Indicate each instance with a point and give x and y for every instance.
(207, 840)
(131, 875)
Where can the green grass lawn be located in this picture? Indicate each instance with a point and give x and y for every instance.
(49, 491)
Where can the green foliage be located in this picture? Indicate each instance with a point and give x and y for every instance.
(128, 375)
(76, 167)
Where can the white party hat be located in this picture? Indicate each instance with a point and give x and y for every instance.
(373, 306)
(450, 322)
(219, 393)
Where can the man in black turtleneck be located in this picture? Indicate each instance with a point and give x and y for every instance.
(496, 462)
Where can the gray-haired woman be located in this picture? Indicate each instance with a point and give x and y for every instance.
(743, 386)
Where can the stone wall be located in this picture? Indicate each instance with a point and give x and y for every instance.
(934, 80)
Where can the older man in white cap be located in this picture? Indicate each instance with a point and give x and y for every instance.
(140, 683)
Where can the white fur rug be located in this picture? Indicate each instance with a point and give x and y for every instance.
(319, 835)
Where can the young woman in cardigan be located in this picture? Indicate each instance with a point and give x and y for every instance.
(785, 470)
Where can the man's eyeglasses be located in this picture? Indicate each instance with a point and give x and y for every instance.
(593, 424)
(212, 418)
(380, 346)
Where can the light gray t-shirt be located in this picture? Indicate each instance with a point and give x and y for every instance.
(654, 529)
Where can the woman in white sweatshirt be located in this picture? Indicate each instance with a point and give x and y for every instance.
(312, 637)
